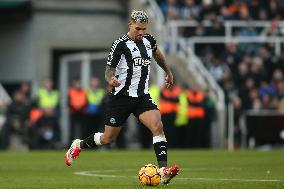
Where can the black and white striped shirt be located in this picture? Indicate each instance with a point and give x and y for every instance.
(132, 62)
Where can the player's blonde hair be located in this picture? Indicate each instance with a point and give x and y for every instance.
(139, 16)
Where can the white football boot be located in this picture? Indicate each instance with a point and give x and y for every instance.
(168, 173)
(73, 152)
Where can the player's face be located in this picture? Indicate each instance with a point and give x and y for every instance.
(137, 30)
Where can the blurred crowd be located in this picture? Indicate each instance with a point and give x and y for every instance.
(215, 12)
(33, 123)
(221, 10)
(251, 74)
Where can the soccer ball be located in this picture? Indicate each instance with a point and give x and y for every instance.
(149, 175)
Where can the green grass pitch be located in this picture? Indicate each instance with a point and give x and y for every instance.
(116, 169)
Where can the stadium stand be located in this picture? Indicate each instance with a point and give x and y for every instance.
(241, 45)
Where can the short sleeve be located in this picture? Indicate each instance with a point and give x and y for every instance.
(153, 42)
(115, 53)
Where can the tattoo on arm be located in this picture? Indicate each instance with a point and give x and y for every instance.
(160, 59)
(109, 73)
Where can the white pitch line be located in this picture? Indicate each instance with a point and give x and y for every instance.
(86, 173)
(97, 174)
(232, 179)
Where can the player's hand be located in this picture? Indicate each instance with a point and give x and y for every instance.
(114, 82)
(169, 80)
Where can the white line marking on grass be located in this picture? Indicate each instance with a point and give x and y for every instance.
(101, 174)
(93, 174)
(231, 179)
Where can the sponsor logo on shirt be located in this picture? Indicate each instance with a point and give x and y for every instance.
(141, 61)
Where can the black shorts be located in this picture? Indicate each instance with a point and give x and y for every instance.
(119, 107)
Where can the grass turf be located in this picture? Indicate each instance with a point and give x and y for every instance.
(118, 169)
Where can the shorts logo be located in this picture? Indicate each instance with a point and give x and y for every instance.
(112, 120)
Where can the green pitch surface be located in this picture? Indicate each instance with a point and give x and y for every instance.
(118, 169)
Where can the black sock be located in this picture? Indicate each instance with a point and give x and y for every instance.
(88, 142)
(161, 153)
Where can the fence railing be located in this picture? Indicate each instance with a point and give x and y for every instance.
(277, 41)
(174, 27)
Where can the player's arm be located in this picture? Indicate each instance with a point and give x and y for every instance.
(110, 76)
(112, 62)
(161, 61)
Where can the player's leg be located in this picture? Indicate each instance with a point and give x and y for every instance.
(108, 136)
(118, 110)
(97, 139)
(152, 120)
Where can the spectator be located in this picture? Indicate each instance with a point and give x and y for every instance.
(281, 96)
(244, 90)
(232, 57)
(277, 78)
(169, 99)
(254, 8)
(219, 70)
(77, 108)
(208, 12)
(234, 8)
(225, 14)
(249, 31)
(13, 135)
(255, 100)
(266, 89)
(95, 95)
(46, 131)
(48, 97)
(170, 9)
(237, 105)
(273, 10)
(197, 130)
(262, 15)
(190, 10)
(244, 13)
(280, 62)
(257, 71)
(271, 31)
(216, 29)
(25, 90)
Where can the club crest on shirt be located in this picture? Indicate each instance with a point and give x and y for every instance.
(148, 46)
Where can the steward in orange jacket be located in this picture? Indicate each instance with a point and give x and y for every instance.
(77, 100)
(197, 118)
(196, 108)
(169, 105)
(77, 108)
(169, 99)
